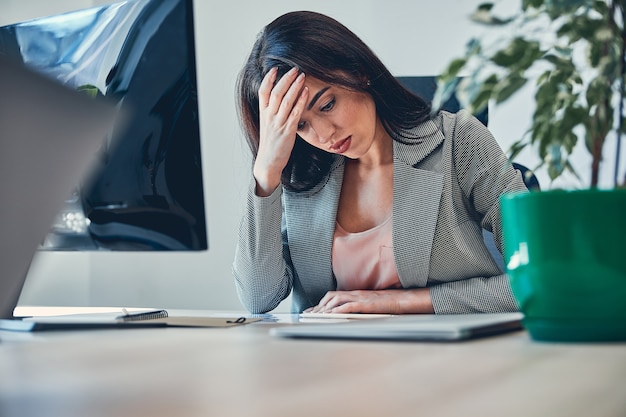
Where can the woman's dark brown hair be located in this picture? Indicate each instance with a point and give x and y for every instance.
(324, 49)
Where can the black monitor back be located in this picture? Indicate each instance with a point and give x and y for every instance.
(147, 193)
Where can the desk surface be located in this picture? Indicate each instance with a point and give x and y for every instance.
(243, 371)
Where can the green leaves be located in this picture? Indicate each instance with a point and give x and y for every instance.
(90, 90)
(483, 15)
(526, 4)
(453, 69)
(519, 55)
(508, 86)
(578, 45)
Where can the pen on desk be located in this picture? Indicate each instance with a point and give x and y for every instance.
(145, 315)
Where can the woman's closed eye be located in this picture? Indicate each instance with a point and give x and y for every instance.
(325, 108)
(328, 106)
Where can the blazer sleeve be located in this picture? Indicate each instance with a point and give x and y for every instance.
(261, 267)
(484, 173)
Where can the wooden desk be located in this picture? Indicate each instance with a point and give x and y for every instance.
(244, 371)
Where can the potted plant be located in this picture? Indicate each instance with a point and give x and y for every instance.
(563, 248)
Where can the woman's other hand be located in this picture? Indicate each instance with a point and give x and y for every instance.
(281, 105)
(404, 301)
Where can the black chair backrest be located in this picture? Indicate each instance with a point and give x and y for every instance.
(425, 87)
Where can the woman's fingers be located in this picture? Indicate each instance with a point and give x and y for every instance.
(332, 299)
(277, 98)
(290, 97)
(360, 301)
(281, 104)
(298, 108)
(265, 89)
(280, 88)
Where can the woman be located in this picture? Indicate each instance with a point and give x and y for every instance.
(361, 200)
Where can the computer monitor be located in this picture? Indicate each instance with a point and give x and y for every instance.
(147, 191)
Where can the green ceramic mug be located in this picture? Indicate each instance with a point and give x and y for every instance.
(565, 253)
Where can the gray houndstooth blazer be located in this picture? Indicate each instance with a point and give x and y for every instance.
(447, 181)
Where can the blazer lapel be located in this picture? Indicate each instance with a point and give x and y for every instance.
(416, 199)
(313, 220)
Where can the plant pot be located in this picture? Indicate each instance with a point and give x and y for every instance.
(566, 259)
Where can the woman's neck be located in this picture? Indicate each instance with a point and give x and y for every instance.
(379, 154)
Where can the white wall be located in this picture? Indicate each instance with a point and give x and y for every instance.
(413, 37)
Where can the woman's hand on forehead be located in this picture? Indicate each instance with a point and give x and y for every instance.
(281, 103)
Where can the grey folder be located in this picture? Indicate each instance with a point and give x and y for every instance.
(49, 137)
(424, 327)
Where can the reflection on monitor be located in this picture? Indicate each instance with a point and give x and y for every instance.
(147, 193)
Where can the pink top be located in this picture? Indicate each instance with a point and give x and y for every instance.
(364, 260)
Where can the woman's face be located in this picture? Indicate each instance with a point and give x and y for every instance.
(338, 120)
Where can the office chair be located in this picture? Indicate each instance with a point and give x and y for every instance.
(425, 87)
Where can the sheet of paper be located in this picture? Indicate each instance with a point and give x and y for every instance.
(338, 317)
(205, 321)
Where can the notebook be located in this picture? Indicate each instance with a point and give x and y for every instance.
(122, 319)
(49, 137)
(423, 327)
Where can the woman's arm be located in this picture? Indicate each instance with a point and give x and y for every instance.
(483, 174)
(263, 278)
(474, 295)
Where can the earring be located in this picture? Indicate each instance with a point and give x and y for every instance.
(368, 83)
